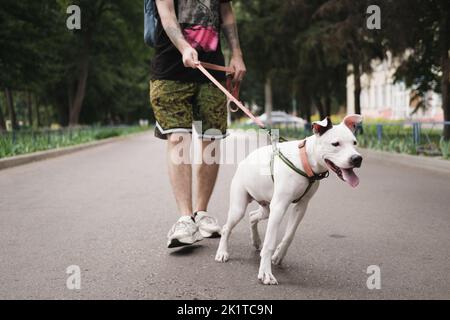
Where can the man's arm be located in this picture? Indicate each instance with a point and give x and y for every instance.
(166, 11)
(229, 29)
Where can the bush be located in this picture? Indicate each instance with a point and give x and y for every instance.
(445, 148)
(104, 134)
(27, 141)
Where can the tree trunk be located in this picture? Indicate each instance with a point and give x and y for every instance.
(357, 91)
(320, 108)
(80, 93)
(305, 104)
(2, 120)
(445, 64)
(70, 98)
(268, 105)
(294, 106)
(328, 106)
(307, 110)
(38, 115)
(29, 109)
(294, 99)
(10, 106)
(48, 114)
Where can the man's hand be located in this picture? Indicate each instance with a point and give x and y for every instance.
(230, 31)
(237, 63)
(190, 57)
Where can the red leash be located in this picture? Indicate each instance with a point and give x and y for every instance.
(233, 97)
(234, 88)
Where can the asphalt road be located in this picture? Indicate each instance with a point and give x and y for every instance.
(108, 210)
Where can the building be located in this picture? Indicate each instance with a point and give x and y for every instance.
(382, 98)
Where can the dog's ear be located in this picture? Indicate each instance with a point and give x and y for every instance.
(320, 127)
(352, 120)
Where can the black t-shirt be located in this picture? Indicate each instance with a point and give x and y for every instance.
(200, 23)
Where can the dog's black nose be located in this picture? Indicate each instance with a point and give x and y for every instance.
(356, 160)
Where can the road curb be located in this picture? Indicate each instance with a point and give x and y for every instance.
(422, 162)
(19, 160)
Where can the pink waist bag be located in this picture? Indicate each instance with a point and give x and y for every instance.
(205, 38)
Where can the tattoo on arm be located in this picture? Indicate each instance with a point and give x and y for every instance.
(174, 33)
(231, 34)
(170, 23)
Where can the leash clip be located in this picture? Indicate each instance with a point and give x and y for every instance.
(274, 138)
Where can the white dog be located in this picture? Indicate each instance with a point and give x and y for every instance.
(295, 170)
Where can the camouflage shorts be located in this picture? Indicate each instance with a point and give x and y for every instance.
(177, 105)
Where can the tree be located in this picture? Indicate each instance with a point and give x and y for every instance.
(27, 38)
(322, 66)
(418, 32)
(109, 44)
(260, 32)
(90, 75)
(294, 43)
(346, 33)
(93, 12)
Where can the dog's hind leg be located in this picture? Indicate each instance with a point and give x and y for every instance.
(239, 199)
(294, 219)
(256, 216)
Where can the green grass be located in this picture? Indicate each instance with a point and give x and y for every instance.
(27, 141)
(445, 148)
(399, 138)
(109, 133)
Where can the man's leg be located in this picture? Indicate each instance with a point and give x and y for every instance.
(207, 173)
(172, 105)
(180, 170)
(206, 178)
(212, 124)
(184, 231)
(212, 116)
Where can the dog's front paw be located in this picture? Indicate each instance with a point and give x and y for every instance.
(222, 256)
(276, 260)
(278, 256)
(267, 278)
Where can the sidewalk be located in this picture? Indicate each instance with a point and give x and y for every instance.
(22, 159)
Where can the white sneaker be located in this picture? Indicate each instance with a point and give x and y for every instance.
(184, 232)
(207, 225)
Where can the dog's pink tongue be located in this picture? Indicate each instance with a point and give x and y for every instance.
(350, 177)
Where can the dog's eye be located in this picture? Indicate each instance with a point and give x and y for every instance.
(355, 143)
(335, 144)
